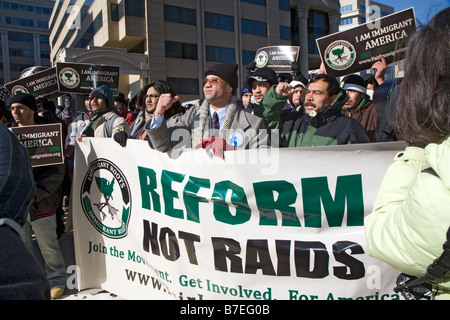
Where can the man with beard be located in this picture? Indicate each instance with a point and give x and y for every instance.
(322, 123)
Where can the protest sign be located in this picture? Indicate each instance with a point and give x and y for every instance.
(357, 49)
(42, 84)
(255, 226)
(278, 58)
(83, 78)
(43, 142)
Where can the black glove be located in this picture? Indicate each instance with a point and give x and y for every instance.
(121, 138)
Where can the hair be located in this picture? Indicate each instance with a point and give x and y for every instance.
(333, 85)
(161, 87)
(421, 112)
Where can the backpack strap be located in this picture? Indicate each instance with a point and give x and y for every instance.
(110, 124)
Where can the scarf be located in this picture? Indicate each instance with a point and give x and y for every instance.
(203, 131)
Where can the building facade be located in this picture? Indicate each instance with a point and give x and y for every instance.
(177, 41)
(24, 29)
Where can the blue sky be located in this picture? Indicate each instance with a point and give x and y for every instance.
(423, 9)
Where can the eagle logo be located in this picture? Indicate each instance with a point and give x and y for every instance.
(107, 201)
(340, 55)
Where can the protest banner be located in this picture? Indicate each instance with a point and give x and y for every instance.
(42, 84)
(278, 58)
(43, 142)
(358, 48)
(262, 224)
(83, 78)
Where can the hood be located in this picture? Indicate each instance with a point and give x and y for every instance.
(17, 186)
(438, 157)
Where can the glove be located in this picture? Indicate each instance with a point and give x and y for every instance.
(121, 138)
(214, 144)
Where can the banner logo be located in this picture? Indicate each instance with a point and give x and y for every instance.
(18, 89)
(340, 55)
(261, 59)
(69, 77)
(106, 198)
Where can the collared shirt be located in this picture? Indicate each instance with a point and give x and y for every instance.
(222, 112)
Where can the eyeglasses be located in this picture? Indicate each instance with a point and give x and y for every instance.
(212, 82)
(151, 96)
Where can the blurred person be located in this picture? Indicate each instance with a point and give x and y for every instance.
(246, 97)
(21, 277)
(410, 222)
(121, 105)
(42, 220)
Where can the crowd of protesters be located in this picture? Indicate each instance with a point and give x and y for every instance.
(410, 218)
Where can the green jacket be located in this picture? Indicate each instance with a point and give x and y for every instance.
(411, 212)
(297, 129)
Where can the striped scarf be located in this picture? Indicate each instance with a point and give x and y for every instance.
(203, 131)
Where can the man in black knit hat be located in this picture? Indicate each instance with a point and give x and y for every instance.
(236, 129)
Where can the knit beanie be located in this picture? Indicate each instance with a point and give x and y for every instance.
(23, 98)
(355, 83)
(17, 186)
(263, 75)
(226, 71)
(104, 92)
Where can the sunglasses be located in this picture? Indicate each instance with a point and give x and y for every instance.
(151, 96)
(212, 82)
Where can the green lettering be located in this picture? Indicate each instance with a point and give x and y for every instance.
(265, 200)
(348, 190)
(167, 177)
(147, 180)
(238, 199)
(191, 199)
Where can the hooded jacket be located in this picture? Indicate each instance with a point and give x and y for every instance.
(366, 115)
(410, 217)
(328, 127)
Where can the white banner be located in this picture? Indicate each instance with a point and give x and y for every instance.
(264, 224)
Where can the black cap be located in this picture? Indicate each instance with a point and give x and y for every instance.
(23, 98)
(263, 75)
(226, 71)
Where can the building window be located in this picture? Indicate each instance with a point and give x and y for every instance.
(219, 21)
(20, 37)
(346, 21)
(96, 24)
(248, 56)
(318, 26)
(114, 12)
(254, 27)
(21, 53)
(19, 22)
(180, 15)
(259, 2)
(220, 54)
(181, 50)
(284, 5)
(43, 24)
(184, 85)
(285, 33)
(346, 8)
(135, 8)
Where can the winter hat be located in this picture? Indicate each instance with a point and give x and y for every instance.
(17, 186)
(355, 83)
(246, 89)
(103, 92)
(226, 71)
(263, 75)
(23, 98)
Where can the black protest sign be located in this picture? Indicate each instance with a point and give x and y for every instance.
(83, 78)
(357, 49)
(43, 142)
(278, 58)
(42, 84)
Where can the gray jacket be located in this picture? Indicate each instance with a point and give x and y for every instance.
(186, 130)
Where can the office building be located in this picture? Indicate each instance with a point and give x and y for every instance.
(177, 41)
